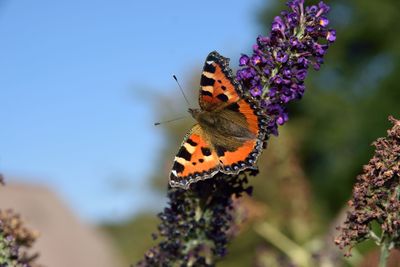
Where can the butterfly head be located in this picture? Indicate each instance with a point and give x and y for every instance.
(195, 112)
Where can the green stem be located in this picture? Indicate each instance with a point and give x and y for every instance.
(299, 255)
(384, 254)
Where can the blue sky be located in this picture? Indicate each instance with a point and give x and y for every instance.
(72, 78)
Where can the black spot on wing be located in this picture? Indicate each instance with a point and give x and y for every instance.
(191, 142)
(207, 93)
(183, 153)
(223, 87)
(234, 107)
(206, 151)
(201, 160)
(220, 151)
(223, 97)
(178, 167)
(209, 68)
(205, 81)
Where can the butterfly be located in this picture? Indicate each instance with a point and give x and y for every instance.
(230, 129)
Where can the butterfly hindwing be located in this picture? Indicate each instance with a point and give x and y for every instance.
(245, 155)
(195, 160)
(218, 87)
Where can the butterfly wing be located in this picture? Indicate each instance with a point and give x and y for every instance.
(247, 113)
(218, 87)
(196, 160)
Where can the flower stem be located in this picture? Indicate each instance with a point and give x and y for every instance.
(296, 253)
(385, 249)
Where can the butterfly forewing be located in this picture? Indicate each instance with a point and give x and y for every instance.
(218, 87)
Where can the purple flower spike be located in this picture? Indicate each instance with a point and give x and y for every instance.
(276, 70)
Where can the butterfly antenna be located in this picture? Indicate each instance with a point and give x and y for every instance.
(162, 122)
(180, 87)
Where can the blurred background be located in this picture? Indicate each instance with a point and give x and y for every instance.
(82, 83)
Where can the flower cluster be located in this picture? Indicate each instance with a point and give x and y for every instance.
(376, 197)
(195, 224)
(275, 72)
(15, 238)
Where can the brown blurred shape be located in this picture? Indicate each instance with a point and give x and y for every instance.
(64, 241)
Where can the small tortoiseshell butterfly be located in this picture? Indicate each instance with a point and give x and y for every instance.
(230, 132)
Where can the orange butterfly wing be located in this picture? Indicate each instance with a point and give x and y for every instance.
(218, 87)
(195, 160)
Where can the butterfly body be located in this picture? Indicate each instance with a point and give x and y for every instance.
(223, 126)
(230, 132)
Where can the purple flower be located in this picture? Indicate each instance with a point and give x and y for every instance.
(331, 35)
(255, 59)
(282, 118)
(256, 48)
(263, 40)
(281, 57)
(256, 91)
(301, 74)
(294, 42)
(279, 63)
(293, 19)
(243, 60)
(319, 49)
(246, 73)
(295, 5)
(323, 22)
(323, 8)
(278, 24)
(311, 9)
(272, 92)
(287, 73)
(267, 71)
(302, 61)
(277, 80)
